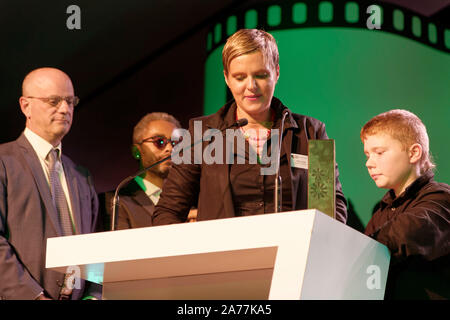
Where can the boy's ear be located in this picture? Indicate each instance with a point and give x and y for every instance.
(415, 153)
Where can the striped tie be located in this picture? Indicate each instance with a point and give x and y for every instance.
(59, 198)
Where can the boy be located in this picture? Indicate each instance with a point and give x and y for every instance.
(413, 218)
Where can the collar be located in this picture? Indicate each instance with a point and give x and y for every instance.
(149, 188)
(40, 145)
(411, 191)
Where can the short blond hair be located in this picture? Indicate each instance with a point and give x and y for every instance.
(246, 41)
(405, 127)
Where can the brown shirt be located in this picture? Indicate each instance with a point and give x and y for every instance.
(218, 188)
(252, 192)
(415, 226)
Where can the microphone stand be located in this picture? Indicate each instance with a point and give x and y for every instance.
(278, 190)
(238, 123)
(126, 180)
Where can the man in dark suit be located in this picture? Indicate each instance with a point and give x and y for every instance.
(151, 143)
(43, 194)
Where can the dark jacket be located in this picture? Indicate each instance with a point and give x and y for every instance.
(28, 218)
(135, 208)
(210, 183)
(416, 228)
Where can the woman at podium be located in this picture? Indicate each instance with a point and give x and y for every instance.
(239, 181)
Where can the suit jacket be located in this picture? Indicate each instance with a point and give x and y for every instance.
(28, 217)
(135, 208)
(210, 183)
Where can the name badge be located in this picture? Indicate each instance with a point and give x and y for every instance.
(299, 161)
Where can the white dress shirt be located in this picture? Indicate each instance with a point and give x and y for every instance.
(151, 190)
(42, 147)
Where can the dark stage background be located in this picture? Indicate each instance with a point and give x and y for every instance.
(129, 58)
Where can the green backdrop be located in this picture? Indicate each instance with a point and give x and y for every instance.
(343, 77)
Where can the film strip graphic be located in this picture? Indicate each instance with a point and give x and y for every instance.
(291, 14)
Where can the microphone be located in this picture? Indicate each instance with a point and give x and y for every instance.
(239, 123)
(277, 196)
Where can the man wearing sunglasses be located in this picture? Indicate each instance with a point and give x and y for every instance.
(43, 193)
(151, 142)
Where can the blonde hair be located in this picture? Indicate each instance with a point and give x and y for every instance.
(246, 41)
(405, 127)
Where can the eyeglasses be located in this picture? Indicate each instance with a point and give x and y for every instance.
(54, 101)
(161, 142)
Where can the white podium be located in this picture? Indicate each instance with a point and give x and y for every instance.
(291, 255)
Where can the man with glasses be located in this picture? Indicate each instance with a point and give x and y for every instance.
(43, 194)
(152, 141)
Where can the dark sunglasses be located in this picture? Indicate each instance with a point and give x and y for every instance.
(161, 142)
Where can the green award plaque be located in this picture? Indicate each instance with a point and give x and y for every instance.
(321, 176)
